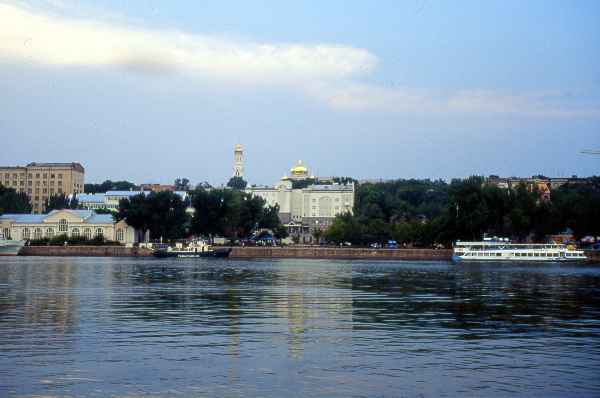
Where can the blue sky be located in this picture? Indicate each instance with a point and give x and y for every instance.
(152, 90)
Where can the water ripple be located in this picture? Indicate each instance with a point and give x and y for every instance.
(121, 327)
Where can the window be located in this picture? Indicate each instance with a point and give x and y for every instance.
(25, 234)
(50, 233)
(87, 233)
(60, 176)
(6, 233)
(62, 225)
(120, 234)
(99, 233)
(51, 175)
(37, 175)
(75, 233)
(37, 234)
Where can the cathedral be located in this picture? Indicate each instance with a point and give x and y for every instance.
(306, 205)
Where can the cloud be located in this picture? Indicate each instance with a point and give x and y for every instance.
(49, 39)
(328, 73)
(358, 97)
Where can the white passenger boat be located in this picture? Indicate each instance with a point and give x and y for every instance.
(9, 247)
(502, 250)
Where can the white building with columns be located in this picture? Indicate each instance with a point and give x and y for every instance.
(73, 223)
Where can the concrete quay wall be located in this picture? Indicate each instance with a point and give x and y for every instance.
(264, 252)
(593, 255)
(340, 253)
(85, 251)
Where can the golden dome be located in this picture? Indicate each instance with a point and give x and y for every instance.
(238, 148)
(299, 169)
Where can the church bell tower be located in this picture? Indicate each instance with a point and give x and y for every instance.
(238, 161)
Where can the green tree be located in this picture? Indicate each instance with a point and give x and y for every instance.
(251, 215)
(161, 213)
(109, 185)
(280, 232)
(231, 213)
(12, 201)
(318, 234)
(182, 184)
(237, 183)
(270, 217)
(210, 212)
(61, 201)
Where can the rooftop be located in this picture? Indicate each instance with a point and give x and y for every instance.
(88, 216)
(74, 165)
(91, 197)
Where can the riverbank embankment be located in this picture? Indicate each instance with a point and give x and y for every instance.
(85, 251)
(340, 253)
(237, 252)
(249, 252)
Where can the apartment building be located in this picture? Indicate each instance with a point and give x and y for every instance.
(42, 180)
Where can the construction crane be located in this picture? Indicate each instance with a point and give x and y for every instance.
(590, 152)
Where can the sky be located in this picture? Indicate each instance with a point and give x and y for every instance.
(149, 91)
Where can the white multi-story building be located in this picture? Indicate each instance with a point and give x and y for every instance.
(303, 210)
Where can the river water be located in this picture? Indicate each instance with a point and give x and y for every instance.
(129, 327)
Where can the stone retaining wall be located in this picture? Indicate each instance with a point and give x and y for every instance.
(264, 252)
(341, 253)
(84, 251)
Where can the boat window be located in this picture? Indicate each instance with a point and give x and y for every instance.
(498, 254)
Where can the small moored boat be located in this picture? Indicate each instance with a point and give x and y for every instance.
(194, 249)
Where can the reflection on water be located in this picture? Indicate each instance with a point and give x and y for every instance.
(131, 327)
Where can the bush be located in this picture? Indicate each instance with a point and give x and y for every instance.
(60, 240)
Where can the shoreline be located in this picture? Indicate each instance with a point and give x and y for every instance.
(238, 252)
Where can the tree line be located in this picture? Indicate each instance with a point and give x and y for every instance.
(229, 213)
(109, 185)
(424, 212)
(12, 201)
